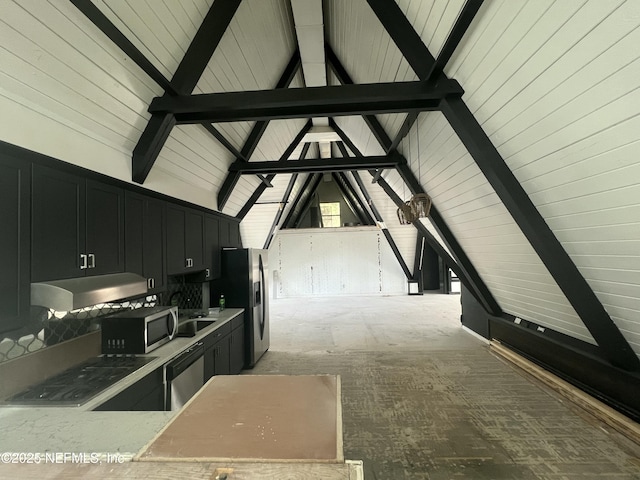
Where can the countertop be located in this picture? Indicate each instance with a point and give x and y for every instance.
(286, 418)
(79, 429)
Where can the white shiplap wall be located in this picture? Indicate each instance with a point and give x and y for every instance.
(490, 237)
(556, 87)
(340, 261)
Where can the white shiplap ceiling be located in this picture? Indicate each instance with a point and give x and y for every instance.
(553, 84)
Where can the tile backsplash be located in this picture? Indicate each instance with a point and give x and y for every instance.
(49, 327)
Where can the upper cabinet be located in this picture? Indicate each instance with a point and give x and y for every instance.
(211, 247)
(77, 226)
(144, 239)
(14, 242)
(185, 240)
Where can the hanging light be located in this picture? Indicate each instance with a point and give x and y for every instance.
(406, 215)
(420, 205)
(420, 202)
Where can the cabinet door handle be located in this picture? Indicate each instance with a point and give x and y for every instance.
(153, 283)
(83, 259)
(149, 283)
(92, 257)
(207, 272)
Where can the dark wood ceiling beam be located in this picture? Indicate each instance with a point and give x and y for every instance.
(352, 198)
(307, 102)
(223, 141)
(343, 77)
(303, 201)
(257, 132)
(283, 158)
(460, 27)
(612, 343)
(183, 82)
(381, 224)
(404, 36)
(112, 32)
(473, 280)
(317, 165)
(285, 200)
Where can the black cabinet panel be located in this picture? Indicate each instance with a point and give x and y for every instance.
(176, 259)
(236, 353)
(154, 244)
(144, 239)
(185, 240)
(222, 365)
(57, 224)
(14, 242)
(224, 234)
(194, 238)
(105, 228)
(77, 226)
(133, 233)
(146, 394)
(211, 247)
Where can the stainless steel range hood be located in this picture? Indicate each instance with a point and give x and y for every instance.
(73, 293)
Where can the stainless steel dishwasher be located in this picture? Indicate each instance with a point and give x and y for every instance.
(184, 376)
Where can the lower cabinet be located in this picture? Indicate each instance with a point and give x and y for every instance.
(146, 394)
(224, 349)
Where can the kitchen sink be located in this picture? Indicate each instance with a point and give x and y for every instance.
(190, 327)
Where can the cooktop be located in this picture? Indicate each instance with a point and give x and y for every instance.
(77, 385)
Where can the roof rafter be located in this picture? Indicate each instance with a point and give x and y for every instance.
(184, 81)
(283, 158)
(256, 133)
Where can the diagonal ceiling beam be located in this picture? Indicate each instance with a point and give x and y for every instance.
(352, 198)
(381, 224)
(184, 81)
(462, 266)
(404, 36)
(112, 32)
(466, 16)
(285, 200)
(120, 40)
(559, 264)
(458, 31)
(283, 158)
(308, 102)
(317, 165)
(256, 133)
(302, 201)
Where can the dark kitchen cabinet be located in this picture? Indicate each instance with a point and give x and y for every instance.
(211, 247)
(147, 394)
(144, 240)
(185, 240)
(77, 226)
(216, 353)
(236, 350)
(14, 242)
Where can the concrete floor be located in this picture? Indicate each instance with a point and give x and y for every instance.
(424, 399)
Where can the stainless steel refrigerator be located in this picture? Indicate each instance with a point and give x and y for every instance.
(244, 285)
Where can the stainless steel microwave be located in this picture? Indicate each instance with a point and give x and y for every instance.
(138, 331)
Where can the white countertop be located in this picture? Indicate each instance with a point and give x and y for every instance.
(31, 429)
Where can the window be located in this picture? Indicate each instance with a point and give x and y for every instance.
(330, 212)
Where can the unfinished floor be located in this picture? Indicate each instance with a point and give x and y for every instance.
(424, 399)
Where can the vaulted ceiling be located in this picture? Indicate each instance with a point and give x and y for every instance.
(519, 118)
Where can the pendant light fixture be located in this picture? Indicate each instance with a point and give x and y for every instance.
(420, 202)
(405, 212)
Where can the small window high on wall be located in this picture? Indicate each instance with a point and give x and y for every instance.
(330, 212)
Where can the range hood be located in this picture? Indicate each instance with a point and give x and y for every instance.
(73, 293)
